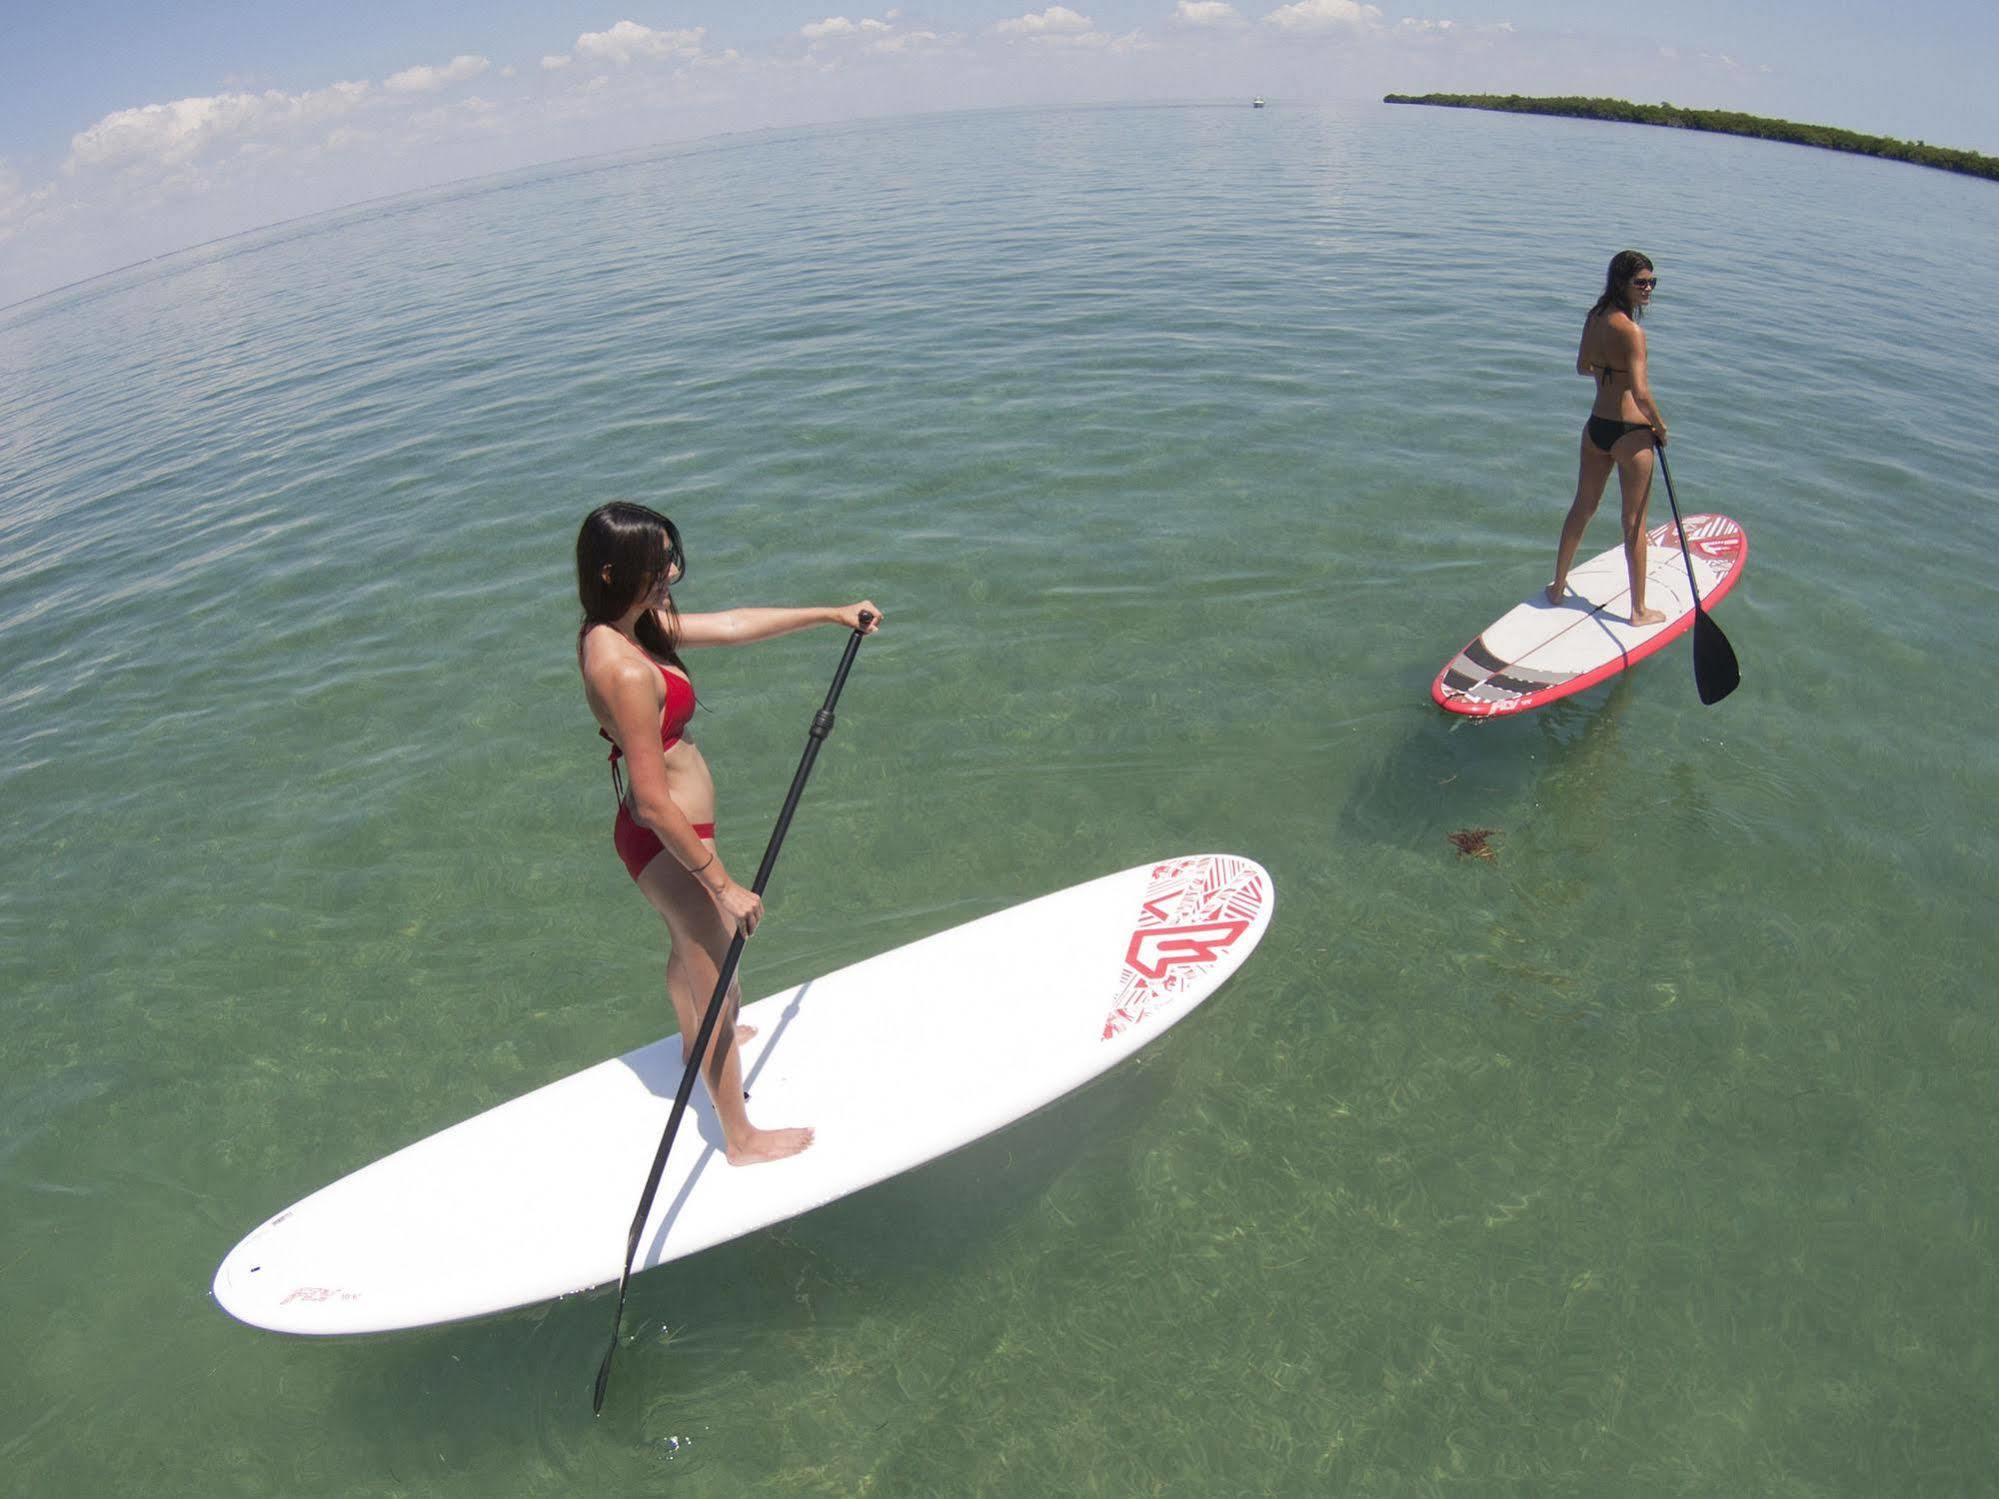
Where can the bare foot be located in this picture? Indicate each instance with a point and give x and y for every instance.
(1555, 593)
(769, 1145)
(744, 1032)
(1647, 617)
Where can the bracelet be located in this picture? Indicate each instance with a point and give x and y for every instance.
(703, 865)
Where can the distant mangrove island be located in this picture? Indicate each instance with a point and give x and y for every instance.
(1721, 122)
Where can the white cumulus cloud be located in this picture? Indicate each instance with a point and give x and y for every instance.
(840, 36)
(17, 202)
(1057, 20)
(1066, 30)
(555, 60)
(1206, 13)
(425, 80)
(628, 42)
(839, 26)
(179, 131)
(907, 41)
(1322, 15)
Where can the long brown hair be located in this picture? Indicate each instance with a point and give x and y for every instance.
(622, 552)
(1617, 284)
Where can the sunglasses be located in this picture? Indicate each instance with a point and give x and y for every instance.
(1644, 283)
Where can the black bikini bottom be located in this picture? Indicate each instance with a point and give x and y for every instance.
(1606, 431)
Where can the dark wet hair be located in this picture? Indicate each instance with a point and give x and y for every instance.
(636, 547)
(1617, 284)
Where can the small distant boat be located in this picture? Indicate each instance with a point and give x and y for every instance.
(1257, 102)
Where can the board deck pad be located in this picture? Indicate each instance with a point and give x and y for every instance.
(1538, 652)
(894, 1061)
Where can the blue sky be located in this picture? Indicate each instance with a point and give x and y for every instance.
(132, 129)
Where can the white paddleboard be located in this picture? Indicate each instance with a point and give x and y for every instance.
(894, 1061)
(1538, 652)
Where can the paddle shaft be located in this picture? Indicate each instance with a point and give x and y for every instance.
(1673, 501)
(822, 725)
(1716, 672)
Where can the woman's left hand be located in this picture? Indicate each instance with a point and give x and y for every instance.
(850, 616)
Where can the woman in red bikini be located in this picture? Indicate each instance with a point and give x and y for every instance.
(627, 559)
(1623, 426)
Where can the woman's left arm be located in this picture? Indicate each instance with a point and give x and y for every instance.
(744, 626)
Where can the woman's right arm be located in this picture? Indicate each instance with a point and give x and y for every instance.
(1583, 365)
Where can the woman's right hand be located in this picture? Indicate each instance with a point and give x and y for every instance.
(740, 906)
(1659, 436)
(865, 616)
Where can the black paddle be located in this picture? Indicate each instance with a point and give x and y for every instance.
(1715, 673)
(822, 725)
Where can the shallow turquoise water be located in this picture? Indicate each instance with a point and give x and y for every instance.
(1182, 445)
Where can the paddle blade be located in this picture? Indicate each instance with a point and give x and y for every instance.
(617, 1319)
(603, 1378)
(1715, 673)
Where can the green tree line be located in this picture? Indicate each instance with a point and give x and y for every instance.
(1722, 122)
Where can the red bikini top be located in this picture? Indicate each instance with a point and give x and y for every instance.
(673, 715)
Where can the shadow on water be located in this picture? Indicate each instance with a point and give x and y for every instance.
(1451, 771)
(450, 1398)
(947, 1212)
(1553, 924)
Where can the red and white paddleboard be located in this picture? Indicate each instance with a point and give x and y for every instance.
(894, 1061)
(1537, 652)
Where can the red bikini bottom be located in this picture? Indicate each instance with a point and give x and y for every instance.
(639, 845)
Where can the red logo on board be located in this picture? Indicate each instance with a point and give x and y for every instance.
(1716, 548)
(1153, 950)
(1195, 911)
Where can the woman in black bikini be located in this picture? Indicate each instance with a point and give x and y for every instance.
(1623, 426)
